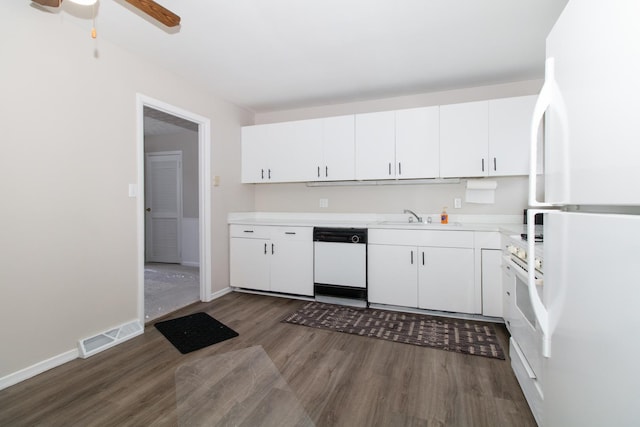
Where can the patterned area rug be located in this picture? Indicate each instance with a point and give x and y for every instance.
(459, 335)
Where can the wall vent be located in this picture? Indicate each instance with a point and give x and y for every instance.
(95, 344)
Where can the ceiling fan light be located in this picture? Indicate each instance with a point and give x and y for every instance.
(84, 2)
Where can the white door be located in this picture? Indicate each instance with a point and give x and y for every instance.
(464, 139)
(250, 261)
(446, 280)
(418, 143)
(163, 200)
(393, 275)
(592, 153)
(375, 145)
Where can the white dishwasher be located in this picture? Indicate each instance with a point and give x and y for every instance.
(340, 263)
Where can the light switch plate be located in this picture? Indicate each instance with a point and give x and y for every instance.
(133, 190)
(324, 203)
(457, 203)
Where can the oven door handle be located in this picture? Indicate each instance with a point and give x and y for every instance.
(519, 271)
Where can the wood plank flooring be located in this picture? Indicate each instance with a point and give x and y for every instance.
(339, 379)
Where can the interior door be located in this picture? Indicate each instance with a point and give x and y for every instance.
(163, 201)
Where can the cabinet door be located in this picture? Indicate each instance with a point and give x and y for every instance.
(418, 143)
(375, 145)
(509, 129)
(256, 151)
(464, 139)
(249, 263)
(393, 275)
(445, 280)
(338, 161)
(293, 145)
(292, 261)
(492, 282)
(508, 294)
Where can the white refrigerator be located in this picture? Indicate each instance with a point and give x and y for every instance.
(590, 310)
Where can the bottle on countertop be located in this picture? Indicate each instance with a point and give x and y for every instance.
(444, 216)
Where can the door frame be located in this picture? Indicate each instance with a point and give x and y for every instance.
(204, 192)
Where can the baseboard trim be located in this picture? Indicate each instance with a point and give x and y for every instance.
(218, 294)
(38, 368)
(190, 264)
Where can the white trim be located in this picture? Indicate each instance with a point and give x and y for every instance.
(220, 293)
(190, 264)
(204, 171)
(38, 368)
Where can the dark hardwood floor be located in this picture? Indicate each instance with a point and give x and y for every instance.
(339, 379)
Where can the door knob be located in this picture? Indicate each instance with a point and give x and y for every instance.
(148, 209)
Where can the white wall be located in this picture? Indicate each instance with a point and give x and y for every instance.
(511, 195)
(68, 257)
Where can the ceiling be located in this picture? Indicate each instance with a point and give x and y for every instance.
(269, 55)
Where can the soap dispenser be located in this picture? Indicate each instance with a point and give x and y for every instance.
(444, 216)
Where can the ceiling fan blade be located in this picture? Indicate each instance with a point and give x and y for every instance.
(154, 10)
(49, 3)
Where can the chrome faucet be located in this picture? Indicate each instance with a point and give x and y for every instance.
(409, 211)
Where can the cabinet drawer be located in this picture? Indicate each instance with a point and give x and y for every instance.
(292, 233)
(250, 231)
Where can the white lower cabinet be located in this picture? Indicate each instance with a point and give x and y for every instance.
(276, 259)
(492, 283)
(446, 280)
(393, 277)
(439, 277)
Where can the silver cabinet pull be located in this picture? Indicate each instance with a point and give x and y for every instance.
(399, 168)
(389, 168)
(326, 171)
(270, 173)
(265, 248)
(422, 258)
(495, 165)
(412, 257)
(318, 171)
(262, 173)
(272, 251)
(248, 231)
(289, 232)
(482, 165)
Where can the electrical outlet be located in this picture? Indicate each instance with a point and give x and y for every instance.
(457, 203)
(324, 203)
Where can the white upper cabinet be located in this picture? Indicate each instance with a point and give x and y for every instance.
(256, 153)
(509, 125)
(464, 136)
(291, 144)
(417, 145)
(336, 159)
(375, 145)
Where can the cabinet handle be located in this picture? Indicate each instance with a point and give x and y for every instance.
(411, 257)
(248, 231)
(265, 248)
(389, 168)
(482, 165)
(399, 168)
(270, 173)
(318, 171)
(262, 173)
(272, 251)
(289, 232)
(326, 171)
(508, 293)
(422, 258)
(495, 165)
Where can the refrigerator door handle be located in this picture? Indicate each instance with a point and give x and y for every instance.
(540, 311)
(550, 93)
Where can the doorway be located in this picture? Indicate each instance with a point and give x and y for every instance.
(173, 208)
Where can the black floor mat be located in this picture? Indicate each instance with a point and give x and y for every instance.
(193, 332)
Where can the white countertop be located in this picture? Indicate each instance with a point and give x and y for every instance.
(509, 224)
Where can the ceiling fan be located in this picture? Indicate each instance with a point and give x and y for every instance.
(150, 7)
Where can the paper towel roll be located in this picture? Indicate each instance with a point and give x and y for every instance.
(481, 184)
(481, 191)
